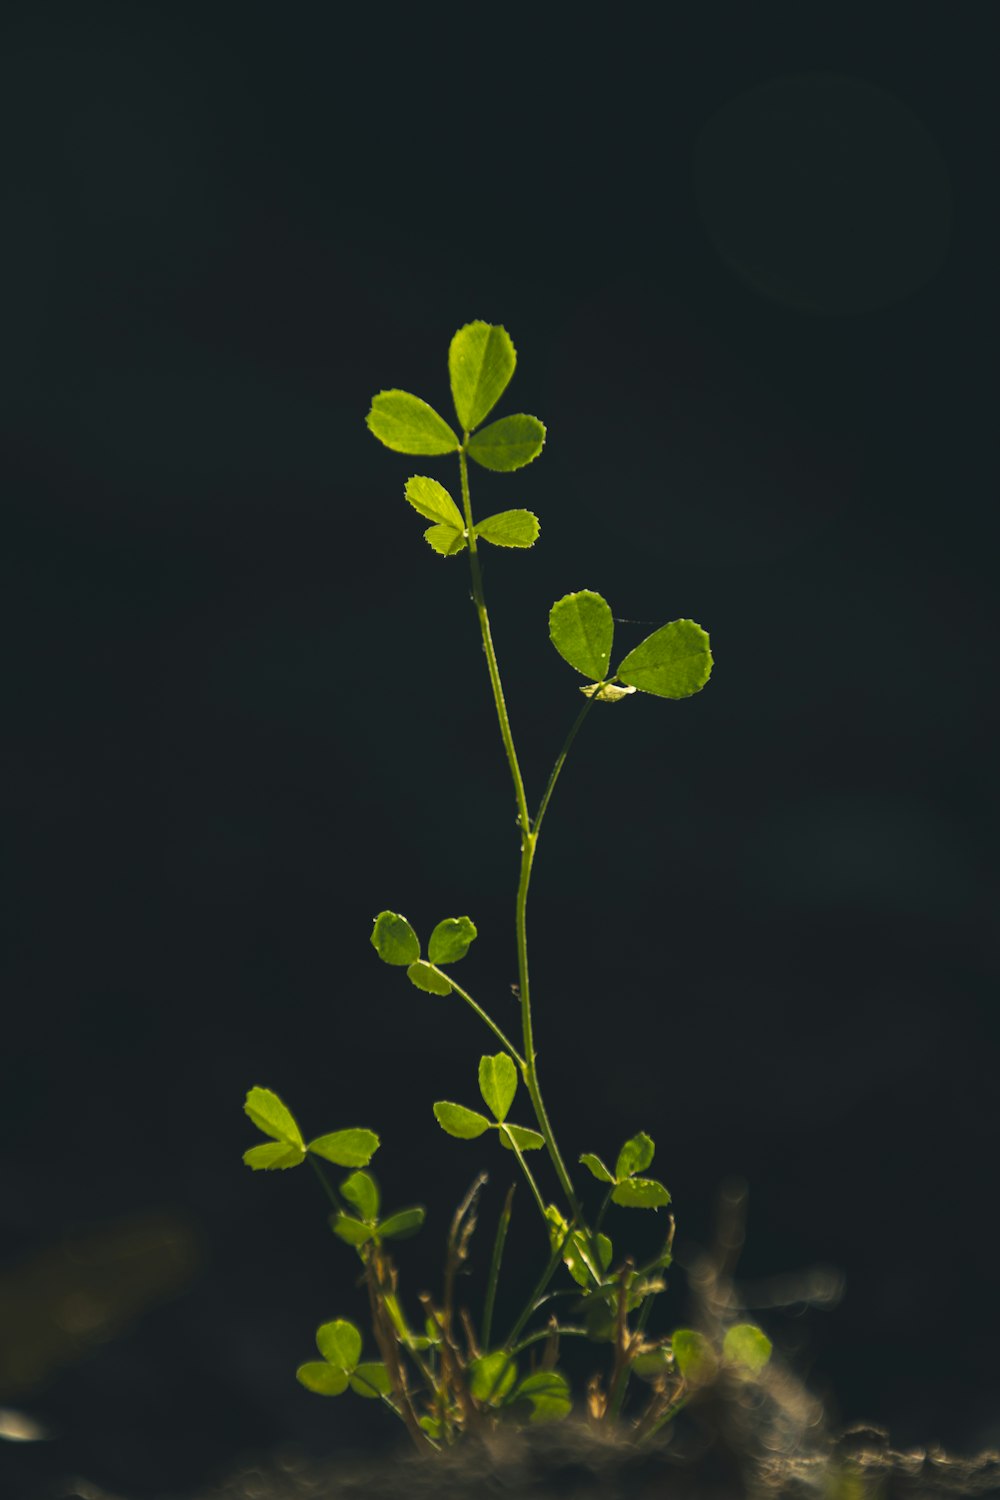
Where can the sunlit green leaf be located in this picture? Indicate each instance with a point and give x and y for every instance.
(423, 976)
(339, 1342)
(640, 1192)
(491, 1376)
(577, 1254)
(361, 1190)
(399, 1226)
(508, 444)
(605, 692)
(351, 1230)
(527, 1140)
(435, 1427)
(432, 500)
(747, 1345)
(635, 1155)
(582, 630)
(548, 1392)
(510, 528)
(446, 540)
(674, 662)
(371, 1380)
(394, 940)
(273, 1155)
(596, 1167)
(481, 360)
(346, 1148)
(694, 1356)
(322, 1378)
(498, 1083)
(654, 1365)
(464, 1123)
(272, 1117)
(451, 940)
(406, 424)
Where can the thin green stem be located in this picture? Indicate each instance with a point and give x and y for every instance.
(325, 1184)
(544, 1333)
(533, 1185)
(497, 1257)
(560, 760)
(483, 1016)
(550, 1270)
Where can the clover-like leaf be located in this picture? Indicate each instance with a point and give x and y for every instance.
(273, 1117)
(406, 424)
(433, 501)
(596, 1167)
(455, 1119)
(400, 1225)
(339, 1342)
(272, 1156)
(548, 1393)
(747, 1345)
(640, 1192)
(346, 1148)
(582, 629)
(351, 1230)
(362, 1191)
(694, 1356)
(446, 540)
(424, 977)
(635, 1156)
(316, 1375)
(498, 1083)
(371, 1380)
(491, 1376)
(481, 361)
(653, 1365)
(451, 940)
(510, 528)
(525, 1139)
(394, 940)
(674, 662)
(508, 444)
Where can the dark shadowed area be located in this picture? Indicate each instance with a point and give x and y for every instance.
(749, 267)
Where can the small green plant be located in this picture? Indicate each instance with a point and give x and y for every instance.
(448, 1374)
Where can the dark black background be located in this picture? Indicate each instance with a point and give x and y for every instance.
(245, 705)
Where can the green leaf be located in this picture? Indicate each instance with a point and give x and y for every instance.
(640, 1192)
(451, 940)
(273, 1155)
(635, 1156)
(423, 976)
(322, 1378)
(492, 1375)
(339, 1343)
(577, 1255)
(406, 424)
(694, 1356)
(674, 662)
(446, 540)
(498, 1083)
(432, 500)
(747, 1345)
(371, 1380)
(481, 360)
(510, 528)
(361, 1190)
(346, 1148)
(351, 1230)
(582, 630)
(596, 1167)
(458, 1121)
(399, 1226)
(653, 1365)
(605, 692)
(272, 1117)
(548, 1392)
(394, 940)
(508, 444)
(527, 1140)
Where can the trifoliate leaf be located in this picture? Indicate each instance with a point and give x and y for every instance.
(481, 360)
(273, 1155)
(362, 1191)
(322, 1378)
(640, 1192)
(582, 630)
(423, 976)
(448, 541)
(339, 1342)
(596, 1167)
(432, 500)
(508, 444)
(510, 528)
(458, 1121)
(351, 1230)
(346, 1148)
(746, 1345)
(548, 1393)
(526, 1140)
(694, 1356)
(399, 1226)
(635, 1155)
(272, 1117)
(491, 1376)
(605, 692)
(451, 940)
(394, 940)
(498, 1083)
(674, 662)
(371, 1380)
(406, 424)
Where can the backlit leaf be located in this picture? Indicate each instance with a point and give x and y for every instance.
(394, 940)
(674, 662)
(433, 501)
(339, 1342)
(527, 1140)
(458, 1121)
(694, 1356)
(510, 528)
(498, 1083)
(747, 1345)
(399, 1226)
(361, 1190)
(273, 1155)
(481, 360)
(351, 1230)
(451, 940)
(423, 976)
(448, 541)
(322, 1378)
(654, 1365)
(492, 1375)
(582, 630)
(548, 1393)
(371, 1380)
(635, 1155)
(346, 1148)
(508, 444)
(640, 1192)
(406, 424)
(596, 1167)
(272, 1117)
